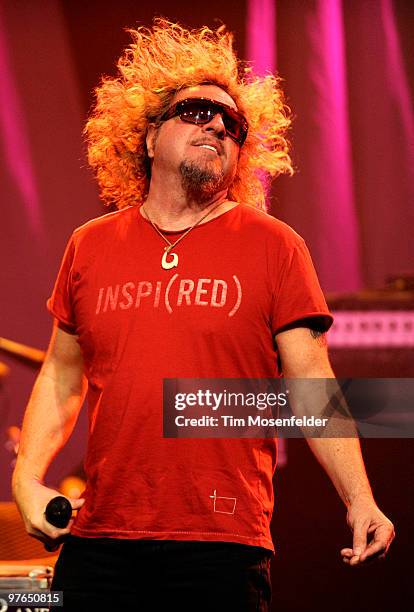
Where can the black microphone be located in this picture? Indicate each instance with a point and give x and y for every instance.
(58, 513)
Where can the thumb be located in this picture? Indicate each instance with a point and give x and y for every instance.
(360, 539)
(76, 503)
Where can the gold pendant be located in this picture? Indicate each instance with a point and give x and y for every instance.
(173, 263)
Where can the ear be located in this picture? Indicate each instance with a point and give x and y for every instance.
(150, 139)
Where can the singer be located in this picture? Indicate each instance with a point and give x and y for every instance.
(190, 277)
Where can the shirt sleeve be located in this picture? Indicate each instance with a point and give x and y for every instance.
(298, 294)
(60, 303)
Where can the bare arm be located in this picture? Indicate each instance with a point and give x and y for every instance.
(50, 416)
(304, 354)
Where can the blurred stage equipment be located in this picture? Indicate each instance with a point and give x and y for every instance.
(19, 579)
(24, 563)
(12, 443)
(373, 331)
(22, 351)
(30, 356)
(72, 486)
(16, 547)
(4, 370)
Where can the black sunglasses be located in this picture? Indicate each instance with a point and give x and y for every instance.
(202, 110)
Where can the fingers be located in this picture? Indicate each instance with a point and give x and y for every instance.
(49, 535)
(379, 546)
(76, 503)
(37, 533)
(353, 561)
(359, 542)
(346, 552)
(376, 549)
(50, 543)
(348, 557)
(56, 538)
(32, 501)
(54, 533)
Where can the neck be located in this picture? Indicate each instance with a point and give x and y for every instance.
(173, 210)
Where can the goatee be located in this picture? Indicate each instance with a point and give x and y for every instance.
(200, 183)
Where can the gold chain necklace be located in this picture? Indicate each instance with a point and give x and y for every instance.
(173, 263)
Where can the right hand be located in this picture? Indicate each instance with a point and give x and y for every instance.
(32, 497)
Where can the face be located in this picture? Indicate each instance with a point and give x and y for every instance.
(202, 155)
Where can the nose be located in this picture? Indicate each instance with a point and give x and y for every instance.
(216, 125)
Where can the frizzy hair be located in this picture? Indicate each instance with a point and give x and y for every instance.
(160, 61)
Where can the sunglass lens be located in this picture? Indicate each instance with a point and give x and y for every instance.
(201, 111)
(232, 125)
(196, 113)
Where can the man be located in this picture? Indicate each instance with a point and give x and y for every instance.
(189, 279)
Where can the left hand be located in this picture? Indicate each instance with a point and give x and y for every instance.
(365, 518)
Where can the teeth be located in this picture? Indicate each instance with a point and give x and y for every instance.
(208, 147)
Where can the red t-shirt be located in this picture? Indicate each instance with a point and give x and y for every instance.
(241, 277)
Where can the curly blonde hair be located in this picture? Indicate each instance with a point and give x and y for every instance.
(160, 61)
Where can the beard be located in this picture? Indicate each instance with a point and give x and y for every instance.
(201, 183)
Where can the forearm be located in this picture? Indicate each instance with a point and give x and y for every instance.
(50, 416)
(342, 460)
(304, 355)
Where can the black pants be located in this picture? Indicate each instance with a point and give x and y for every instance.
(157, 575)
